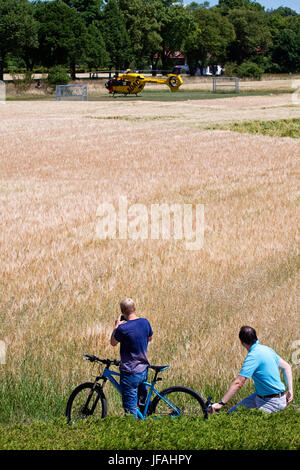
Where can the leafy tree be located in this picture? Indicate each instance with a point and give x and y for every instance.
(143, 28)
(96, 55)
(90, 10)
(253, 37)
(115, 35)
(284, 11)
(62, 34)
(225, 6)
(286, 49)
(284, 25)
(208, 41)
(171, 22)
(175, 25)
(18, 29)
(119, 33)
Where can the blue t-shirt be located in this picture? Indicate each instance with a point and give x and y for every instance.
(261, 364)
(134, 336)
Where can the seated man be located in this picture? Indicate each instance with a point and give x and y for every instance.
(261, 364)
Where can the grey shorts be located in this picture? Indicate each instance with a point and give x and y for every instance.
(268, 405)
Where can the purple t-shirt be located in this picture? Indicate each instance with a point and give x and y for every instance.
(134, 336)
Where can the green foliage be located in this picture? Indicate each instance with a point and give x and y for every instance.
(208, 41)
(116, 36)
(252, 35)
(58, 76)
(231, 69)
(21, 82)
(249, 70)
(175, 23)
(244, 430)
(123, 33)
(226, 5)
(286, 48)
(96, 55)
(90, 10)
(18, 29)
(62, 34)
(143, 27)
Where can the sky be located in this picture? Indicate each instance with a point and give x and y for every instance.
(268, 4)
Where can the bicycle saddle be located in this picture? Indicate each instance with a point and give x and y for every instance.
(158, 368)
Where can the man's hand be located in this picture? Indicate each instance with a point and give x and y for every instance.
(215, 407)
(288, 378)
(289, 397)
(118, 322)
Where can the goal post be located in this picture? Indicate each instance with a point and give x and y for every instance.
(71, 92)
(220, 82)
(2, 92)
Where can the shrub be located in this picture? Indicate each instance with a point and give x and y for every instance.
(21, 81)
(230, 69)
(249, 70)
(58, 76)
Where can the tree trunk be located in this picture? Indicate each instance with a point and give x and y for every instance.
(154, 63)
(73, 70)
(1, 69)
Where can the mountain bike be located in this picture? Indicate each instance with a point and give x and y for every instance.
(88, 399)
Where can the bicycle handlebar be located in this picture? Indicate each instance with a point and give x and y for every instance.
(107, 362)
(208, 402)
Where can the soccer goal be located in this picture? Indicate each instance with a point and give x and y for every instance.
(226, 83)
(71, 92)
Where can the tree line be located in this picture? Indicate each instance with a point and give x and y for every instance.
(120, 34)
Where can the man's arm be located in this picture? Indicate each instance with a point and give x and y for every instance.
(288, 378)
(113, 340)
(234, 387)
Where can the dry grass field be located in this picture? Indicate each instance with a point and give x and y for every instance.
(61, 286)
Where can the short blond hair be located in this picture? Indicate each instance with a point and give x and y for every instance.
(127, 306)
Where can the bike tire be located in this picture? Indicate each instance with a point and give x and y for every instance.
(185, 400)
(86, 400)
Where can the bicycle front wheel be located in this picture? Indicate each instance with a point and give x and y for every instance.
(178, 401)
(86, 400)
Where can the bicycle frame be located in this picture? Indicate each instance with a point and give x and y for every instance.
(108, 375)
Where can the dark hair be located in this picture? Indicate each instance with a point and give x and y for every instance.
(247, 335)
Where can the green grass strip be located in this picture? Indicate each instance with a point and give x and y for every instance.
(246, 429)
(160, 95)
(275, 128)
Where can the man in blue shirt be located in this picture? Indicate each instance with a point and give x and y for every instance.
(261, 364)
(133, 334)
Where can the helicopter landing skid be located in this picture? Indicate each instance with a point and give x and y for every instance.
(124, 95)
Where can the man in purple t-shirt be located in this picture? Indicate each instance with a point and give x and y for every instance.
(133, 334)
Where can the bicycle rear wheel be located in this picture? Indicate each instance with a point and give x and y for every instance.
(178, 401)
(86, 400)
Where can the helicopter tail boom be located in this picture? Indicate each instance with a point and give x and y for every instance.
(173, 81)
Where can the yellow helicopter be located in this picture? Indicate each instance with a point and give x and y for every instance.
(131, 83)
